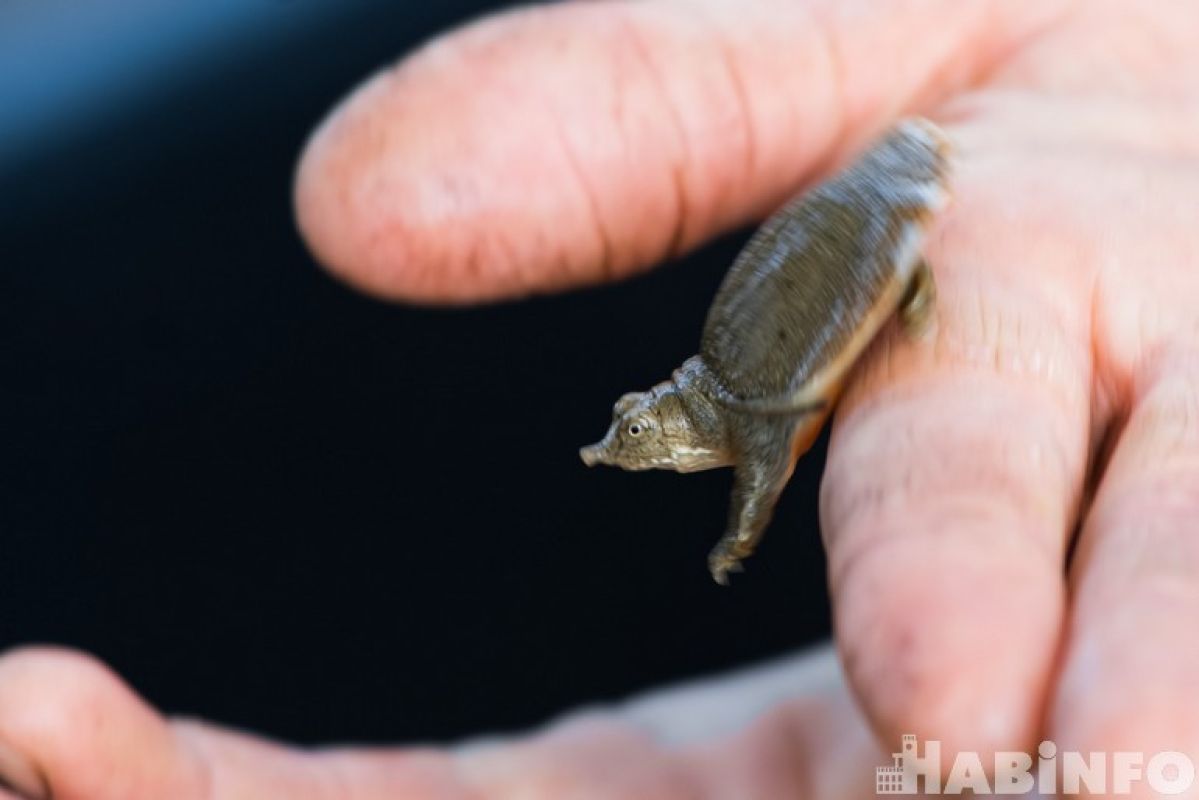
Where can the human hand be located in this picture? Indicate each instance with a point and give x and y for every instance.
(564, 145)
(557, 146)
(70, 730)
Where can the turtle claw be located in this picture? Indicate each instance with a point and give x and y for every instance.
(721, 562)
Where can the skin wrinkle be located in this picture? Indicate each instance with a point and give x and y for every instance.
(206, 772)
(569, 774)
(934, 86)
(1171, 587)
(867, 506)
(1160, 432)
(1112, 125)
(1143, 540)
(505, 250)
(329, 775)
(870, 509)
(729, 62)
(1169, 402)
(341, 781)
(1110, 61)
(682, 155)
(607, 263)
(829, 41)
(896, 366)
(970, 72)
(1060, 19)
(820, 164)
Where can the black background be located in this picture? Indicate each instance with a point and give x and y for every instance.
(272, 502)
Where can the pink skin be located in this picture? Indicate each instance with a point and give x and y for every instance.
(563, 145)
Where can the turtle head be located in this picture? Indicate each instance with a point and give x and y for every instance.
(654, 430)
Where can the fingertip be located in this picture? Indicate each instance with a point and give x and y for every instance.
(337, 194)
(376, 192)
(80, 731)
(56, 678)
(443, 179)
(46, 693)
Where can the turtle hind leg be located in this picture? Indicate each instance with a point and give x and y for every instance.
(917, 309)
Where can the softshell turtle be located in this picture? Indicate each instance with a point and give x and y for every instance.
(811, 289)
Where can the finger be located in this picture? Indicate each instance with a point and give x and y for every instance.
(67, 725)
(953, 475)
(785, 729)
(1133, 655)
(244, 766)
(71, 730)
(558, 146)
(805, 736)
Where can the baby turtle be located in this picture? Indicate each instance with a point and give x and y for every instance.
(801, 302)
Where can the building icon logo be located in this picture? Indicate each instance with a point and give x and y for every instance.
(900, 777)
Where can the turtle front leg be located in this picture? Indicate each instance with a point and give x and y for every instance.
(917, 310)
(757, 484)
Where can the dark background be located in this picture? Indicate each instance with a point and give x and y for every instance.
(272, 502)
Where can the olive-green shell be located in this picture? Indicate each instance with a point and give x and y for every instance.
(817, 269)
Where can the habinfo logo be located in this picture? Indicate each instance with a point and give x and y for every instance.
(920, 770)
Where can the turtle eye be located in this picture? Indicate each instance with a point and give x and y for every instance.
(636, 429)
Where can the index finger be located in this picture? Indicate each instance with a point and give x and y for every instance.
(558, 146)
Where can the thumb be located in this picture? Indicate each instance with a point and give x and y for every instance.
(558, 146)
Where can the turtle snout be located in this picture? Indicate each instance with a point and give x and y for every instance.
(598, 453)
(591, 454)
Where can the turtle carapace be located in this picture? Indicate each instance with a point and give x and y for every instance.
(811, 289)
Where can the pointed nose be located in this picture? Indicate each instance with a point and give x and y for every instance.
(592, 454)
